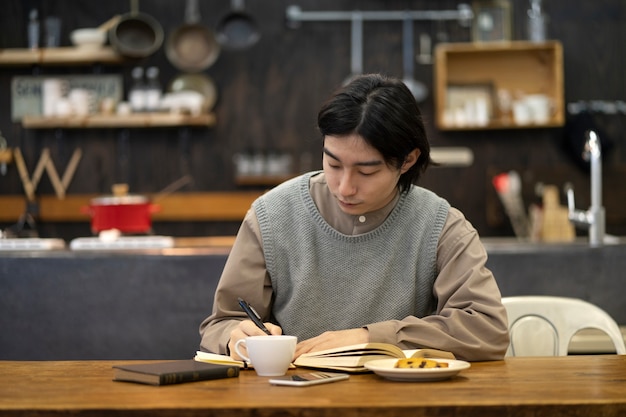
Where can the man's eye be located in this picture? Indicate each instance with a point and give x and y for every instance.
(367, 173)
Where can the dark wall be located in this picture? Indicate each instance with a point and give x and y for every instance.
(269, 95)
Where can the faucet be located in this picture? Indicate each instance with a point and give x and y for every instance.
(594, 218)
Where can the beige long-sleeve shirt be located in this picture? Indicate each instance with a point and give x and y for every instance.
(470, 320)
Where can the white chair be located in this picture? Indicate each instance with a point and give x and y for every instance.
(544, 325)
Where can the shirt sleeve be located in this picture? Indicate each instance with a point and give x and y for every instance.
(244, 275)
(470, 320)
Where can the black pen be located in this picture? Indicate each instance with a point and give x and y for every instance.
(254, 316)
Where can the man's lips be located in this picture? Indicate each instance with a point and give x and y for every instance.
(346, 204)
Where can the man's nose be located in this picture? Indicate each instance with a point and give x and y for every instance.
(347, 184)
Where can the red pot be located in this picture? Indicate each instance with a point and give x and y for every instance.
(128, 213)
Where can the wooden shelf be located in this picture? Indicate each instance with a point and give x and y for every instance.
(496, 124)
(135, 120)
(201, 206)
(59, 56)
(517, 67)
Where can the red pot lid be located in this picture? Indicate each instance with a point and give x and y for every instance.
(112, 200)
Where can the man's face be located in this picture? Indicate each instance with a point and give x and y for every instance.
(358, 176)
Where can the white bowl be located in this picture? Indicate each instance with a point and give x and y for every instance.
(88, 38)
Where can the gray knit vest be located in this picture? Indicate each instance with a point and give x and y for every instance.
(326, 280)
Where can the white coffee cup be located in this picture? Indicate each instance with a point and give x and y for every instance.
(269, 355)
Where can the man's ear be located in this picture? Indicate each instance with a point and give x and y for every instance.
(410, 160)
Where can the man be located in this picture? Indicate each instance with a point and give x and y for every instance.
(357, 253)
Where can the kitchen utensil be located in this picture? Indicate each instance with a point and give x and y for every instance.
(417, 88)
(109, 24)
(6, 155)
(536, 22)
(425, 55)
(237, 30)
(192, 47)
(200, 83)
(93, 37)
(52, 34)
(136, 34)
(356, 47)
(26, 226)
(173, 187)
(555, 226)
(128, 213)
(509, 188)
(90, 38)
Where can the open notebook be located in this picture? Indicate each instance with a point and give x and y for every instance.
(223, 360)
(219, 359)
(353, 358)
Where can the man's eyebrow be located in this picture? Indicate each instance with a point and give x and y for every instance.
(362, 163)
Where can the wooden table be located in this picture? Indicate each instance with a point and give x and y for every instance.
(572, 386)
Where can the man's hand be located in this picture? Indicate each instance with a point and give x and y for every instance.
(328, 340)
(248, 328)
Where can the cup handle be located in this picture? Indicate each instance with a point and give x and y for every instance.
(239, 342)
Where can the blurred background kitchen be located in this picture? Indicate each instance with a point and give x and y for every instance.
(238, 85)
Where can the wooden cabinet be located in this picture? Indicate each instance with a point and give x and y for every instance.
(484, 85)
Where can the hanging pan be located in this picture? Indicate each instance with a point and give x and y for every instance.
(237, 30)
(192, 47)
(136, 35)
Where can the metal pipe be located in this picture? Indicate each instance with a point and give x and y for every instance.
(356, 52)
(463, 14)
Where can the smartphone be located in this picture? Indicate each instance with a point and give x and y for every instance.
(309, 378)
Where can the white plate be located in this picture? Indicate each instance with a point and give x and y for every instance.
(386, 368)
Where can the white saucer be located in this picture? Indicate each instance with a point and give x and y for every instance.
(386, 368)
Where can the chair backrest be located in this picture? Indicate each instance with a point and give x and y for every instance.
(544, 325)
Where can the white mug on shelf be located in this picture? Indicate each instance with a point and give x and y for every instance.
(521, 112)
(539, 107)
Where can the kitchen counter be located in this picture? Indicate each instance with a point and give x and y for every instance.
(132, 304)
(148, 304)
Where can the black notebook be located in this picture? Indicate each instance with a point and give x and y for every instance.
(173, 372)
